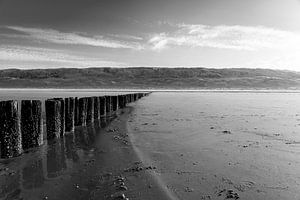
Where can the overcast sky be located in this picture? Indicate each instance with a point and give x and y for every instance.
(189, 33)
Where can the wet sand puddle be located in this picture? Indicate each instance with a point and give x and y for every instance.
(39, 173)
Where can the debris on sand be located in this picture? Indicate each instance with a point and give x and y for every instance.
(111, 130)
(121, 196)
(206, 197)
(77, 186)
(226, 132)
(119, 179)
(188, 189)
(232, 195)
(123, 187)
(6, 172)
(139, 168)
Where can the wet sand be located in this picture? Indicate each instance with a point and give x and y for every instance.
(171, 146)
(221, 145)
(96, 162)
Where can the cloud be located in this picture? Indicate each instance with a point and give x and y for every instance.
(26, 56)
(127, 37)
(226, 37)
(54, 36)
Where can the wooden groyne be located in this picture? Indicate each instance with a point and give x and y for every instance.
(21, 123)
(31, 123)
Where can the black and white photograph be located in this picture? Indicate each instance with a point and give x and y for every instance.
(149, 100)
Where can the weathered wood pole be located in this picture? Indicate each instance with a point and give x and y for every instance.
(90, 110)
(131, 98)
(123, 99)
(135, 97)
(96, 108)
(10, 133)
(69, 114)
(62, 115)
(114, 100)
(120, 101)
(53, 118)
(82, 104)
(76, 111)
(102, 106)
(108, 105)
(127, 98)
(31, 123)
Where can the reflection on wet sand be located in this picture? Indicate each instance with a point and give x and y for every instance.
(57, 158)
(33, 175)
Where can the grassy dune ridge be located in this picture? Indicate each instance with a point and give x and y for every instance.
(154, 78)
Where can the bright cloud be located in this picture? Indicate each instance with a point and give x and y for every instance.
(226, 37)
(54, 36)
(24, 55)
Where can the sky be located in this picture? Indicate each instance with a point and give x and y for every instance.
(156, 33)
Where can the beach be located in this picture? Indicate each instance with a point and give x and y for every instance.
(171, 145)
(95, 162)
(221, 145)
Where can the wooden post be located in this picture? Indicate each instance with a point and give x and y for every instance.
(119, 101)
(114, 100)
(108, 105)
(10, 133)
(135, 97)
(53, 118)
(76, 112)
(69, 114)
(131, 98)
(31, 123)
(82, 104)
(90, 110)
(127, 98)
(96, 108)
(62, 115)
(102, 106)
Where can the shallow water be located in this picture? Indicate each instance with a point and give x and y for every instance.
(205, 144)
(38, 172)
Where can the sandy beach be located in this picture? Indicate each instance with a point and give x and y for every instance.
(96, 162)
(171, 146)
(221, 146)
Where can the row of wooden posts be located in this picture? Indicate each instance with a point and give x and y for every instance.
(22, 130)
